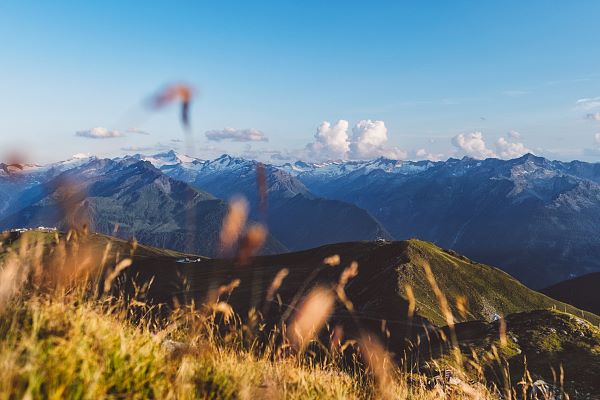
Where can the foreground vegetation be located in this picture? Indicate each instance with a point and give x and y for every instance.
(68, 331)
(52, 348)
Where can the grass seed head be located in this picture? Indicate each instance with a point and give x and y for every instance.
(311, 317)
(233, 225)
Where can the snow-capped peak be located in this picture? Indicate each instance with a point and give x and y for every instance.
(168, 159)
(339, 168)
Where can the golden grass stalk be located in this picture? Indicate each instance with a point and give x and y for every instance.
(229, 288)
(311, 317)
(121, 266)
(348, 273)
(233, 224)
(252, 241)
(446, 311)
(12, 277)
(412, 304)
(225, 309)
(380, 363)
(462, 305)
(502, 331)
(332, 261)
(276, 283)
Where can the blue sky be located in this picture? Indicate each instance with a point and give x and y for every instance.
(412, 79)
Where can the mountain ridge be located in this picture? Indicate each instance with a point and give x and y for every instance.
(535, 218)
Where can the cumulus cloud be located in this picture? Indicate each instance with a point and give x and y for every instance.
(508, 149)
(99, 133)
(369, 140)
(331, 141)
(473, 145)
(588, 103)
(422, 154)
(236, 135)
(593, 116)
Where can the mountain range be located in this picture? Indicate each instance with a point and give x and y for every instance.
(295, 216)
(536, 219)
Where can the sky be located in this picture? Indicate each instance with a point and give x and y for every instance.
(308, 80)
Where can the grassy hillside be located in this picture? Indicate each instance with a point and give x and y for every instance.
(484, 290)
(557, 347)
(379, 290)
(58, 340)
(373, 328)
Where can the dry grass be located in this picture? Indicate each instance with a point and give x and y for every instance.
(62, 336)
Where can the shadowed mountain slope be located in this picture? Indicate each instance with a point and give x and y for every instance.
(582, 292)
(295, 216)
(133, 199)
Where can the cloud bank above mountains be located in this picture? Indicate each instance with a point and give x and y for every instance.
(341, 140)
(474, 145)
(369, 139)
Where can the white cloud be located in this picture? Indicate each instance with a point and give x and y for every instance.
(99, 133)
(422, 154)
(593, 116)
(331, 141)
(236, 135)
(507, 149)
(81, 155)
(138, 131)
(369, 140)
(588, 103)
(472, 144)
